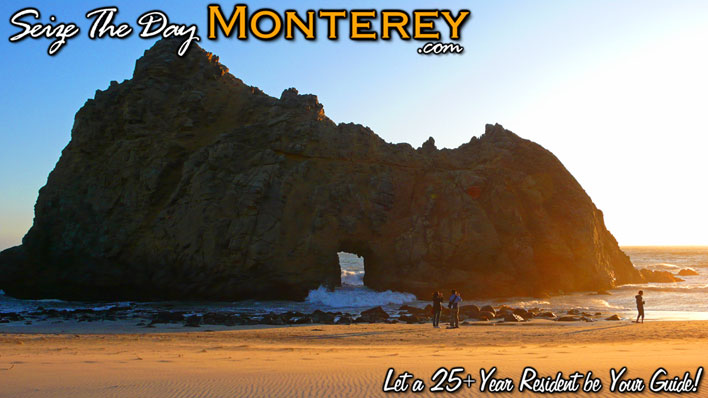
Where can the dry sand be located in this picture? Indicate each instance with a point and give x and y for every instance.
(335, 361)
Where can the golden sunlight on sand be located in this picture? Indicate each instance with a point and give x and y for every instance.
(335, 361)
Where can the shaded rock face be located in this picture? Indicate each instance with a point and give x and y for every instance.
(184, 182)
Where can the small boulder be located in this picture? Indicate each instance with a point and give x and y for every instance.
(469, 311)
(7, 317)
(373, 315)
(345, 319)
(409, 319)
(511, 317)
(505, 308)
(319, 316)
(488, 308)
(192, 321)
(614, 317)
(299, 320)
(485, 315)
(167, 317)
(218, 318)
(273, 319)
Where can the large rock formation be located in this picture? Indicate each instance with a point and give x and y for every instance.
(184, 182)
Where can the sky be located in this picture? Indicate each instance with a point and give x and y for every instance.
(617, 90)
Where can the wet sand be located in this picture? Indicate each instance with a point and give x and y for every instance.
(336, 361)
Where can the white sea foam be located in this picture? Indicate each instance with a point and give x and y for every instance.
(678, 289)
(353, 293)
(49, 301)
(530, 303)
(599, 303)
(348, 297)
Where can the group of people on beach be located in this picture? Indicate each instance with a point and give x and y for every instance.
(454, 306)
(455, 300)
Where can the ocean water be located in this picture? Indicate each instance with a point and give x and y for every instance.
(686, 300)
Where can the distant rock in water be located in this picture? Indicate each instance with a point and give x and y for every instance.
(185, 183)
(659, 276)
(687, 272)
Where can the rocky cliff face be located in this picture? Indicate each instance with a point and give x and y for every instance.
(184, 182)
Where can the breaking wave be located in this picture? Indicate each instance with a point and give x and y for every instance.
(678, 289)
(349, 296)
(352, 278)
(353, 293)
(663, 267)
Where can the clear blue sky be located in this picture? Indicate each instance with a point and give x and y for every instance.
(616, 89)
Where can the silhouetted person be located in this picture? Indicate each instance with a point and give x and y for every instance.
(454, 306)
(437, 308)
(640, 305)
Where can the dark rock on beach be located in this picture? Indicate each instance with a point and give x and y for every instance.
(218, 318)
(323, 317)
(511, 317)
(372, 315)
(7, 317)
(185, 183)
(470, 308)
(411, 315)
(470, 311)
(193, 321)
(168, 317)
(272, 319)
(410, 319)
(345, 319)
(505, 308)
(522, 313)
(485, 315)
(488, 308)
(546, 314)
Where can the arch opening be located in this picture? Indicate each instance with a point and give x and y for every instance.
(352, 269)
(355, 260)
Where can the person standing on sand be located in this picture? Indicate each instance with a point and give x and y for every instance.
(640, 305)
(454, 306)
(437, 308)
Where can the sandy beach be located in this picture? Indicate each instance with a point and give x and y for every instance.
(335, 361)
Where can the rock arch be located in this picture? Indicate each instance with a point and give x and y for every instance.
(184, 182)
